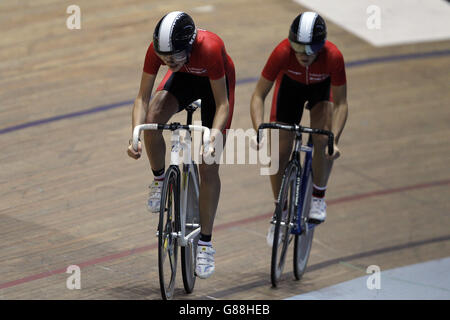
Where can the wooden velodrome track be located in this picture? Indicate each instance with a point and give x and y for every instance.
(69, 194)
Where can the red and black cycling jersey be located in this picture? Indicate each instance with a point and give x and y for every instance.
(295, 84)
(208, 58)
(208, 61)
(329, 63)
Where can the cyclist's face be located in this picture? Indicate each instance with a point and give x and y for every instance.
(175, 61)
(304, 59)
(301, 54)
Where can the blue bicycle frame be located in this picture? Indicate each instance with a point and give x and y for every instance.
(306, 171)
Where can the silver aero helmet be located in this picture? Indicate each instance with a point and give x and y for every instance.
(174, 34)
(308, 33)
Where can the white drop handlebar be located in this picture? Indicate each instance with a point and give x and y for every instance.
(172, 127)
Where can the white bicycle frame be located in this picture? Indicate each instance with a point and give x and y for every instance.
(176, 146)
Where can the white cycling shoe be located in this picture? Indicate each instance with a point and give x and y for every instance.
(154, 197)
(204, 266)
(318, 212)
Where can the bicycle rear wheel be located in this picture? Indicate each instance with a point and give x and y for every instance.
(167, 230)
(284, 213)
(189, 252)
(303, 241)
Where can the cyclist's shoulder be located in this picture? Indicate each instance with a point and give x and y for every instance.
(206, 34)
(284, 46)
(208, 39)
(151, 53)
(282, 49)
(208, 44)
(151, 62)
(150, 48)
(332, 51)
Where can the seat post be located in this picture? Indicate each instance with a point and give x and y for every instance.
(189, 117)
(191, 109)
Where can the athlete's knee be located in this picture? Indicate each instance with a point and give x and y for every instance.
(320, 141)
(285, 141)
(162, 107)
(321, 115)
(156, 113)
(285, 149)
(284, 153)
(323, 106)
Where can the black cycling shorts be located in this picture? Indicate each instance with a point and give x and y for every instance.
(187, 88)
(290, 97)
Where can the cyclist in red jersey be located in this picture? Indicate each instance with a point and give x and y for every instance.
(308, 71)
(199, 68)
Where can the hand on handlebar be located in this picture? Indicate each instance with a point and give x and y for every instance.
(254, 141)
(336, 154)
(210, 149)
(132, 153)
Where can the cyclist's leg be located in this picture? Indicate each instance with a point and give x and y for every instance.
(162, 107)
(321, 111)
(321, 116)
(321, 165)
(174, 92)
(286, 139)
(209, 173)
(209, 195)
(171, 93)
(210, 180)
(287, 107)
(208, 201)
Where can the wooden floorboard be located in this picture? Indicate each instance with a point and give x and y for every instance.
(70, 195)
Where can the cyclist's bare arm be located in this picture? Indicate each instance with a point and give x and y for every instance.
(219, 89)
(140, 108)
(340, 110)
(257, 102)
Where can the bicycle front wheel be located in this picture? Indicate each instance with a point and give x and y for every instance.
(303, 241)
(189, 252)
(167, 233)
(284, 213)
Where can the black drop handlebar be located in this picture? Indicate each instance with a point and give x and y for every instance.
(300, 129)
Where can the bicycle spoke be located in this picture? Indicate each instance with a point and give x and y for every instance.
(172, 259)
(191, 219)
(303, 241)
(167, 248)
(283, 225)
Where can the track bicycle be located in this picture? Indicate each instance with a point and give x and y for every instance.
(291, 216)
(179, 221)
